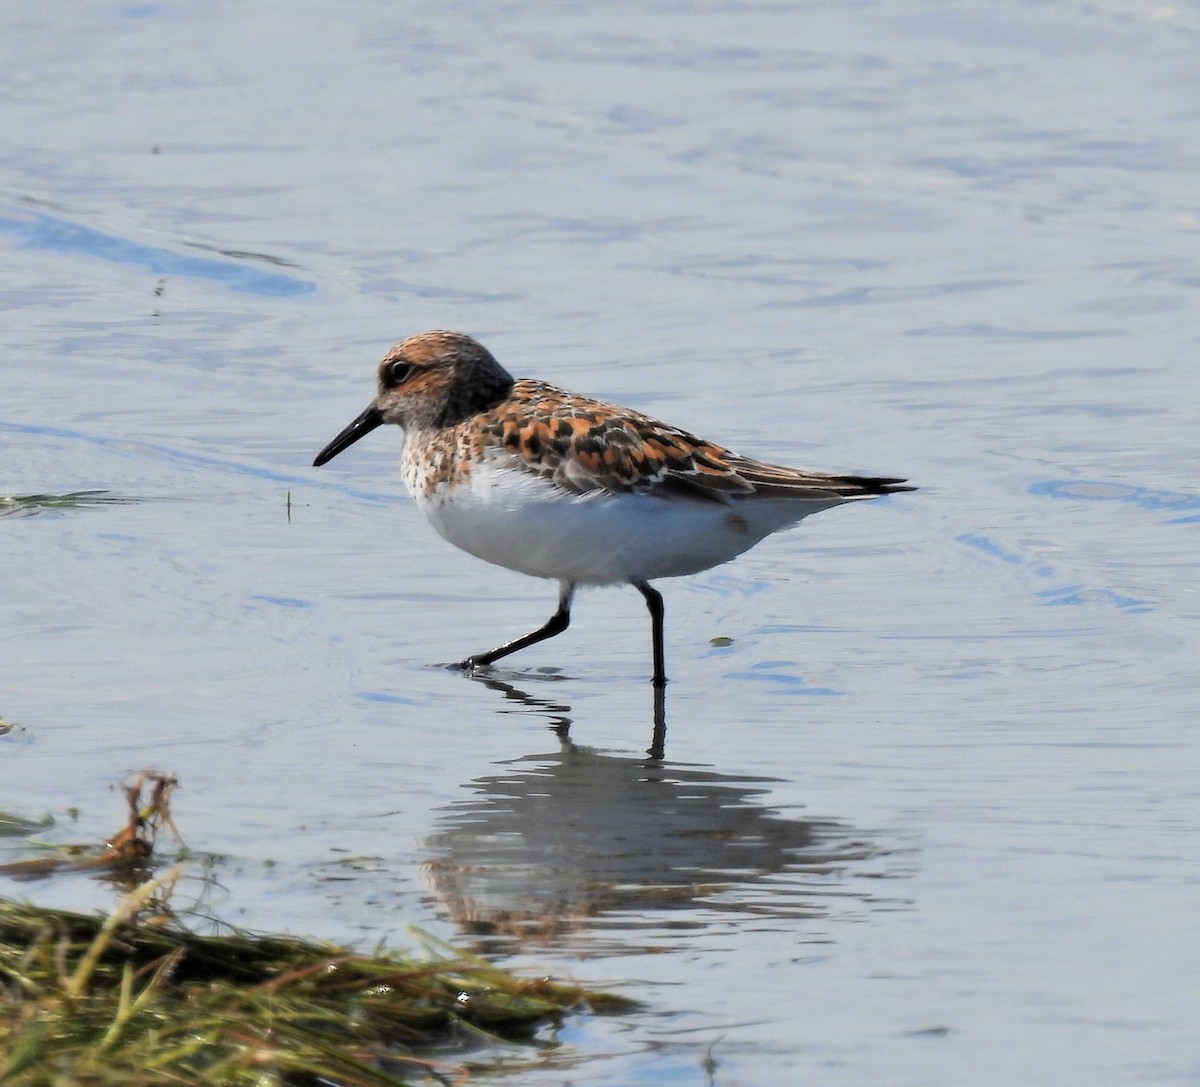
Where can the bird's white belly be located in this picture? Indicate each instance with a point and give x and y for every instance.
(525, 523)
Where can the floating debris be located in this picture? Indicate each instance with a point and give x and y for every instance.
(27, 505)
(109, 1000)
(128, 852)
(7, 727)
(137, 998)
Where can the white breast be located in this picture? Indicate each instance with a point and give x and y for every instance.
(524, 522)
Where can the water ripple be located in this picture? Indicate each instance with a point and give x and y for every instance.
(60, 235)
(1148, 498)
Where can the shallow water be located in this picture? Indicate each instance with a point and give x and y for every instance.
(930, 816)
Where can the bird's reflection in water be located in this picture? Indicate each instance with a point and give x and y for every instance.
(576, 843)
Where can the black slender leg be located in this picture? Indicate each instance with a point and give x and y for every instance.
(658, 739)
(654, 602)
(556, 624)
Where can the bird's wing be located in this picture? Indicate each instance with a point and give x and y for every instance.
(586, 446)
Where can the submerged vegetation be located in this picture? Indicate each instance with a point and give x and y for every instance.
(24, 505)
(95, 1000)
(138, 998)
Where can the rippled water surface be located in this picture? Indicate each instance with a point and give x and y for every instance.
(928, 801)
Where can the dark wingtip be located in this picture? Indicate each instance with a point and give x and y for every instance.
(878, 484)
(895, 486)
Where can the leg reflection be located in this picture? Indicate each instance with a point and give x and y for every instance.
(658, 740)
(558, 714)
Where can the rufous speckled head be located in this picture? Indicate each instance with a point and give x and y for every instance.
(427, 382)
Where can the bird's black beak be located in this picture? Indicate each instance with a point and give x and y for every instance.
(363, 425)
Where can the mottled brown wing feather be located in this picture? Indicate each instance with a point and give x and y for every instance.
(587, 445)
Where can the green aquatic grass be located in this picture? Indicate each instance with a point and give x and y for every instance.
(25, 505)
(136, 999)
(17, 826)
(140, 998)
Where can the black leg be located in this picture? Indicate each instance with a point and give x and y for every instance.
(658, 740)
(654, 602)
(556, 624)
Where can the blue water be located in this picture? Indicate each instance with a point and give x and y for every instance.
(54, 234)
(927, 807)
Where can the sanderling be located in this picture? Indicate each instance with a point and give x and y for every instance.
(555, 485)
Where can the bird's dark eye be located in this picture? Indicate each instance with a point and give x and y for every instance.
(398, 373)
